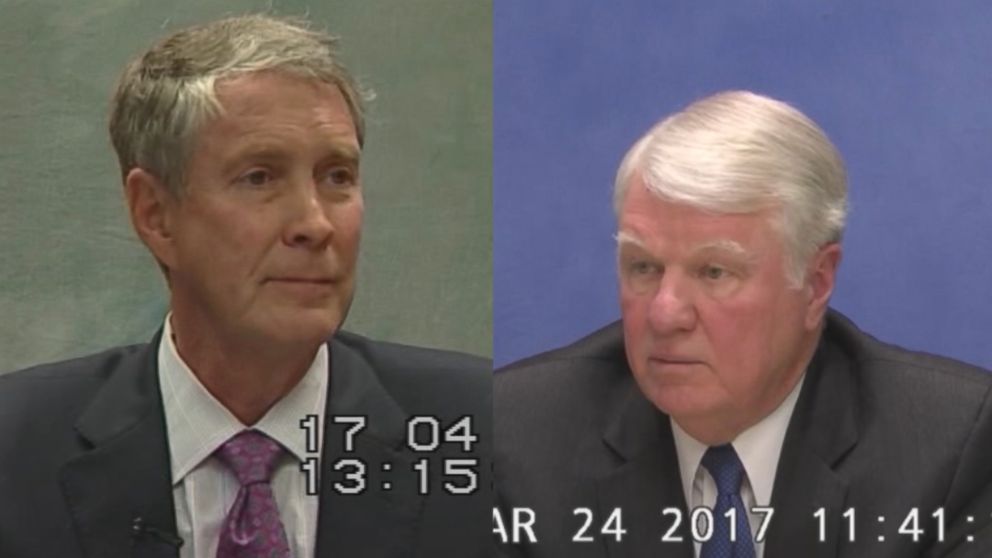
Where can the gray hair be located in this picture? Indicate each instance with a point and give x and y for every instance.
(167, 94)
(739, 152)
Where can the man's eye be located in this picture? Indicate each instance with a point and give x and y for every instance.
(713, 273)
(642, 268)
(256, 177)
(340, 176)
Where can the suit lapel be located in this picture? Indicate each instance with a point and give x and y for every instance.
(376, 523)
(125, 473)
(645, 482)
(823, 429)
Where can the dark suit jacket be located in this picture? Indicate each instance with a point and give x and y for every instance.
(84, 451)
(876, 428)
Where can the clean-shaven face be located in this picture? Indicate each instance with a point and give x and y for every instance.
(712, 329)
(266, 234)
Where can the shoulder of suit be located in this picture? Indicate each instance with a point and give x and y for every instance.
(421, 364)
(38, 405)
(602, 348)
(68, 374)
(874, 355)
(587, 370)
(413, 358)
(426, 381)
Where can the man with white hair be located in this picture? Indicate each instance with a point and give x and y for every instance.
(731, 413)
(250, 425)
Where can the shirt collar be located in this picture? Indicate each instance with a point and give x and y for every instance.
(197, 423)
(758, 447)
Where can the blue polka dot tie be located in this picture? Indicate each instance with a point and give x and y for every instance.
(728, 472)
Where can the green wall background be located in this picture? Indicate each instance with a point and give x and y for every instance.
(74, 279)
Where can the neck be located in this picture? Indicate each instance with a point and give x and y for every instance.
(713, 432)
(247, 377)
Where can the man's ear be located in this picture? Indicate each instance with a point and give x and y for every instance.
(820, 278)
(151, 207)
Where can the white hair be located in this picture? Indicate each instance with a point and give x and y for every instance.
(739, 152)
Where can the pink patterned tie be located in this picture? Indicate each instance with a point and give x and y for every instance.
(252, 528)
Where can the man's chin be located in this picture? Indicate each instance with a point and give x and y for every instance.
(682, 401)
(303, 326)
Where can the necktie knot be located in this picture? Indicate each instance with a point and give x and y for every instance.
(251, 456)
(725, 468)
(252, 527)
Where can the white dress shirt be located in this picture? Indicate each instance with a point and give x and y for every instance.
(758, 447)
(202, 487)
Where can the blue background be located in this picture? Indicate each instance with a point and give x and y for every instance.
(902, 90)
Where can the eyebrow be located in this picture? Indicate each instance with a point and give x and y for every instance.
(345, 151)
(722, 245)
(626, 238)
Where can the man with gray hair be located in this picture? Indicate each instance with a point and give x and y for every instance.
(731, 413)
(250, 425)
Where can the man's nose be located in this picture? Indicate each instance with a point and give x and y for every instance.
(310, 225)
(672, 309)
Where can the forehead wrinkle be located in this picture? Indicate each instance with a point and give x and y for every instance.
(274, 143)
(289, 123)
(723, 245)
(246, 110)
(278, 147)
